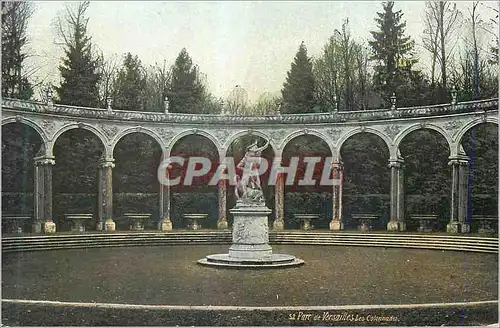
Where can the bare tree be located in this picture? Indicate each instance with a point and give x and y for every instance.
(237, 101)
(441, 22)
(342, 72)
(266, 104)
(108, 71)
(476, 76)
(327, 73)
(430, 38)
(158, 78)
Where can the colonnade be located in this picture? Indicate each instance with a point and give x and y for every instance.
(397, 221)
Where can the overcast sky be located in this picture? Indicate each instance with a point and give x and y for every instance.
(247, 43)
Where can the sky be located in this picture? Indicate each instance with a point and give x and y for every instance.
(251, 44)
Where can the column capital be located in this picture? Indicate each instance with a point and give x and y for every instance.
(107, 162)
(459, 159)
(279, 170)
(44, 160)
(337, 164)
(397, 163)
(277, 160)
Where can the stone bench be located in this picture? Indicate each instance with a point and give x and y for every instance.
(306, 220)
(485, 223)
(427, 222)
(14, 223)
(193, 220)
(136, 220)
(365, 221)
(78, 221)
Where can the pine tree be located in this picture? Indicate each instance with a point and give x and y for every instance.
(393, 52)
(186, 92)
(298, 90)
(130, 85)
(15, 16)
(79, 70)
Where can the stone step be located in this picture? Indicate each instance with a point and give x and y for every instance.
(327, 243)
(473, 243)
(228, 235)
(79, 246)
(228, 239)
(105, 236)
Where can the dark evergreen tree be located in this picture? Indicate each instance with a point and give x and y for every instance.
(298, 90)
(130, 85)
(186, 91)
(79, 69)
(392, 50)
(15, 16)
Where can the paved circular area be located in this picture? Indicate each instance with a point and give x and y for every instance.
(332, 275)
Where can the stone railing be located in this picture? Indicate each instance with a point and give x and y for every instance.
(331, 117)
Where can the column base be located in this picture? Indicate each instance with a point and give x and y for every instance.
(36, 227)
(394, 225)
(99, 226)
(49, 227)
(109, 225)
(457, 227)
(165, 225)
(336, 225)
(222, 225)
(279, 224)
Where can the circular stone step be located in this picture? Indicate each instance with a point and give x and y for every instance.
(275, 261)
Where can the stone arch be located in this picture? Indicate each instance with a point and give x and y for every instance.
(33, 125)
(390, 146)
(418, 126)
(456, 146)
(84, 126)
(306, 132)
(242, 133)
(137, 129)
(185, 133)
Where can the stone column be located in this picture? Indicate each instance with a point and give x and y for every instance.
(106, 191)
(459, 185)
(279, 200)
(338, 173)
(222, 222)
(38, 198)
(43, 194)
(397, 220)
(165, 224)
(100, 212)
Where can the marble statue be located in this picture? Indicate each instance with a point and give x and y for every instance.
(248, 189)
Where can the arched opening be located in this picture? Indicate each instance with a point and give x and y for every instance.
(307, 199)
(237, 150)
(136, 187)
(481, 145)
(366, 184)
(74, 178)
(427, 176)
(20, 144)
(197, 196)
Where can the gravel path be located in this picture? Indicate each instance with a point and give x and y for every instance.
(332, 275)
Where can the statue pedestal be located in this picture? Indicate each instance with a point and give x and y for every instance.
(250, 248)
(250, 234)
